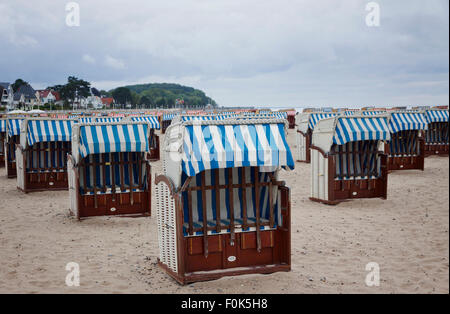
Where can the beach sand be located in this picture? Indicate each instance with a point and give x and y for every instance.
(407, 235)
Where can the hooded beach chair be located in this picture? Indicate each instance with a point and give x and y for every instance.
(41, 155)
(166, 121)
(221, 208)
(12, 138)
(305, 126)
(109, 173)
(153, 141)
(436, 137)
(406, 148)
(346, 160)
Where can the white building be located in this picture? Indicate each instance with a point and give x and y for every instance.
(6, 95)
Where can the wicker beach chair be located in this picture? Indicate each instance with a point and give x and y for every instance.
(346, 160)
(221, 208)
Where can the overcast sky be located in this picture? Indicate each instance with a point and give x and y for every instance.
(240, 52)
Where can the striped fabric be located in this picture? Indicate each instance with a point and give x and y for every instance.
(404, 143)
(357, 160)
(85, 120)
(316, 117)
(228, 146)
(49, 131)
(207, 118)
(437, 116)
(108, 177)
(373, 112)
(168, 116)
(14, 126)
(224, 197)
(350, 129)
(48, 155)
(109, 119)
(2, 125)
(437, 133)
(407, 121)
(153, 120)
(198, 118)
(110, 138)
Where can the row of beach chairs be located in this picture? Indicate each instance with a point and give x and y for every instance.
(221, 206)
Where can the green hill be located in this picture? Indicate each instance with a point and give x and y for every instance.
(167, 95)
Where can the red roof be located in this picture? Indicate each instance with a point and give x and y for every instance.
(107, 101)
(44, 93)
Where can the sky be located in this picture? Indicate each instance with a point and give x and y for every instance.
(284, 53)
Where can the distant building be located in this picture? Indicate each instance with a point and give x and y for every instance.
(108, 102)
(92, 101)
(47, 96)
(6, 95)
(25, 96)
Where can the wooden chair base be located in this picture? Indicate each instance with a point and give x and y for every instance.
(119, 204)
(355, 189)
(437, 150)
(224, 259)
(11, 171)
(406, 163)
(37, 182)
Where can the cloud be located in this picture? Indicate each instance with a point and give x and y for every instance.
(88, 59)
(287, 52)
(114, 63)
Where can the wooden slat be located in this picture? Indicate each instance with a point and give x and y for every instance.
(205, 218)
(231, 198)
(113, 176)
(191, 222)
(217, 191)
(244, 199)
(257, 209)
(103, 171)
(94, 174)
(122, 177)
(130, 178)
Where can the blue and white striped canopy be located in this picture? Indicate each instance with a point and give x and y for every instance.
(373, 112)
(437, 116)
(407, 121)
(228, 146)
(108, 119)
(168, 116)
(316, 117)
(2, 125)
(282, 114)
(349, 129)
(49, 131)
(85, 120)
(153, 120)
(111, 138)
(14, 126)
(198, 118)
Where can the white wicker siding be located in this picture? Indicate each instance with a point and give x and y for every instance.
(20, 169)
(301, 147)
(72, 188)
(166, 219)
(319, 175)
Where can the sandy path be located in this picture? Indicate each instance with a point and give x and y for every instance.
(407, 235)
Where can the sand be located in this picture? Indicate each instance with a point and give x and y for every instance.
(407, 235)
